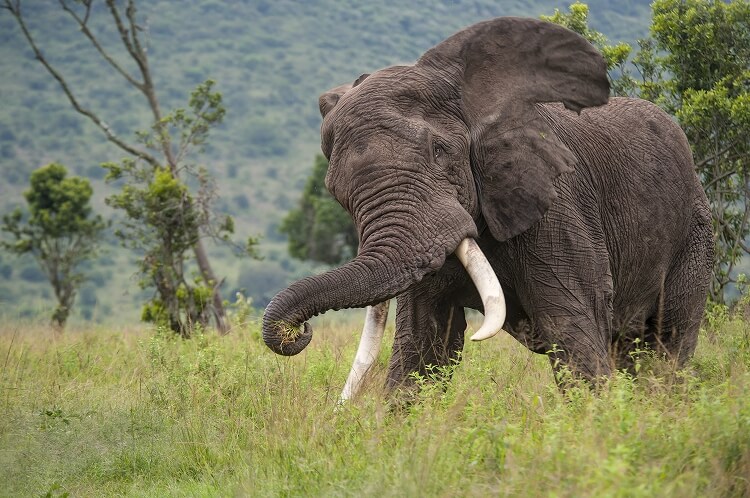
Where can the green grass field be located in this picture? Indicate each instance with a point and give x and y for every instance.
(102, 412)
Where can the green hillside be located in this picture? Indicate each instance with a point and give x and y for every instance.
(271, 60)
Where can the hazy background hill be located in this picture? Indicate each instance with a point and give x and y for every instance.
(271, 60)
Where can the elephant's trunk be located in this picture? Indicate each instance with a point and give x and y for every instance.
(370, 278)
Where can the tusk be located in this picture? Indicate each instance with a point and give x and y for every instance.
(368, 350)
(486, 282)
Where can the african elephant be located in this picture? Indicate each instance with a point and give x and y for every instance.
(587, 210)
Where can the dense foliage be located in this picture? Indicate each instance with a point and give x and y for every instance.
(706, 48)
(59, 231)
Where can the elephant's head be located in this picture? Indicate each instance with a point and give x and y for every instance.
(420, 154)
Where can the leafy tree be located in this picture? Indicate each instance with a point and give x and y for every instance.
(165, 220)
(706, 46)
(59, 231)
(158, 195)
(319, 229)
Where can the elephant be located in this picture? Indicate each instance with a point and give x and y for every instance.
(497, 174)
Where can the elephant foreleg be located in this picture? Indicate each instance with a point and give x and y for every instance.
(429, 332)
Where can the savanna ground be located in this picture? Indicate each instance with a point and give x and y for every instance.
(101, 412)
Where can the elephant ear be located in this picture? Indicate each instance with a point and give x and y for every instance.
(502, 70)
(329, 99)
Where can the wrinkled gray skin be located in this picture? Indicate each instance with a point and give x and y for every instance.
(595, 223)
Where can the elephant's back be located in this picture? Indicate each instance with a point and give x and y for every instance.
(616, 137)
(636, 168)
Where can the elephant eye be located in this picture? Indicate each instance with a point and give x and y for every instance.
(438, 151)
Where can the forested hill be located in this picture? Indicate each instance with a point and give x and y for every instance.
(270, 59)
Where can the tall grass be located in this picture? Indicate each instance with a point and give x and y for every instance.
(101, 412)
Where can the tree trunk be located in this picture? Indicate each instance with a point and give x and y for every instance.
(222, 324)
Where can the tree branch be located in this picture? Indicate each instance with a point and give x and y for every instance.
(132, 43)
(88, 34)
(15, 10)
(736, 238)
(121, 29)
(718, 179)
(714, 156)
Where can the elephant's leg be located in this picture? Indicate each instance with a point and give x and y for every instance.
(631, 334)
(429, 331)
(577, 344)
(570, 306)
(674, 327)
